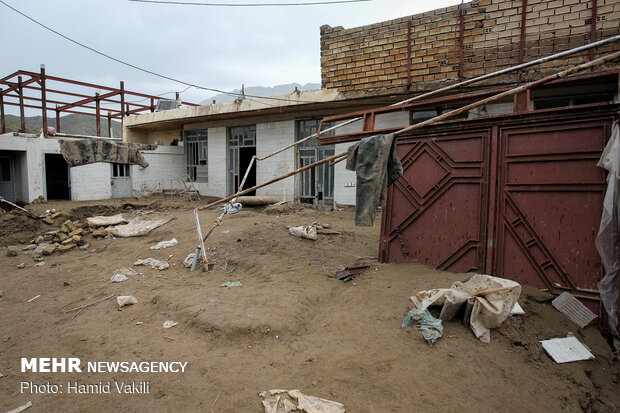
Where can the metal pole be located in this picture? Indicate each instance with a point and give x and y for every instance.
(109, 124)
(2, 119)
(511, 92)
(57, 119)
(22, 116)
(43, 101)
(97, 113)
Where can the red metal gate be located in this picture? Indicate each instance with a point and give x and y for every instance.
(517, 196)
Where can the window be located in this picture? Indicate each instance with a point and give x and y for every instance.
(196, 154)
(121, 170)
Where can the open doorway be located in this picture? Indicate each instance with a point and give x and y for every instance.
(241, 149)
(56, 177)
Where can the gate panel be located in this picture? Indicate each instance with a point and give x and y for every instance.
(437, 210)
(548, 210)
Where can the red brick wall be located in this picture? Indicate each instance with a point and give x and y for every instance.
(374, 57)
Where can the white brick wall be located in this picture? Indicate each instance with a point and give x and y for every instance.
(90, 182)
(166, 166)
(269, 138)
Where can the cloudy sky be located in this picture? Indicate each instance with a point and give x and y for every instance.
(217, 47)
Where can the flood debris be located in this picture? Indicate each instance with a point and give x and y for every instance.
(34, 298)
(104, 221)
(187, 262)
(137, 227)
(566, 349)
(125, 300)
(285, 401)
(164, 244)
(308, 232)
(231, 284)
(21, 408)
(430, 326)
(118, 278)
(573, 309)
(169, 324)
(350, 272)
(153, 263)
(487, 302)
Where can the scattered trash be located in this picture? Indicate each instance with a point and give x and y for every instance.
(34, 298)
(118, 278)
(232, 284)
(231, 208)
(567, 349)
(165, 244)
(350, 272)
(491, 300)
(572, 308)
(517, 310)
(226, 232)
(137, 227)
(169, 324)
(189, 259)
(153, 263)
(21, 266)
(285, 401)
(23, 407)
(102, 221)
(430, 326)
(138, 323)
(66, 283)
(124, 300)
(304, 232)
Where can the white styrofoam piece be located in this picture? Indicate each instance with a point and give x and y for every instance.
(573, 309)
(517, 310)
(567, 349)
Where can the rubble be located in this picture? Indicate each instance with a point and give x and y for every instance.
(12, 251)
(66, 247)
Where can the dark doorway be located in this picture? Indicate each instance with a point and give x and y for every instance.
(56, 177)
(241, 149)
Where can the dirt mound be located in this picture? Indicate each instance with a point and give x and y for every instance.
(18, 227)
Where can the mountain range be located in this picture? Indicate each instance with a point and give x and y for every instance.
(78, 124)
(262, 91)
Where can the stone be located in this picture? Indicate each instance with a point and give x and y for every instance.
(78, 231)
(85, 247)
(39, 239)
(55, 215)
(67, 241)
(68, 227)
(48, 220)
(52, 233)
(49, 249)
(29, 247)
(62, 236)
(48, 238)
(100, 233)
(12, 251)
(66, 247)
(20, 266)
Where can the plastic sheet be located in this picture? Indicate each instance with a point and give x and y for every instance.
(607, 238)
(430, 326)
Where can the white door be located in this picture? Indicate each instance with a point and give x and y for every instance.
(122, 186)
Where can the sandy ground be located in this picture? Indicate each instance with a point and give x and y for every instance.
(289, 326)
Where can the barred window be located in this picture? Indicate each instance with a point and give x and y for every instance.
(196, 154)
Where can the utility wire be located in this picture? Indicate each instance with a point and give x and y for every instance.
(309, 3)
(146, 70)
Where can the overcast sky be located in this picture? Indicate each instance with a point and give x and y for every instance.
(218, 47)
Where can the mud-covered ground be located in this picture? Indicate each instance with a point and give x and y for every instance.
(289, 326)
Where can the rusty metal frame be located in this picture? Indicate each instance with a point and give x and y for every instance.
(111, 101)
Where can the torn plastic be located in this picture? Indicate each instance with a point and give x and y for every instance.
(164, 244)
(153, 263)
(430, 326)
(125, 300)
(231, 208)
(285, 401)
(304, 232)
(607, 238)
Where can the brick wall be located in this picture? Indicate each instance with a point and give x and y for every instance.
(374, 57)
